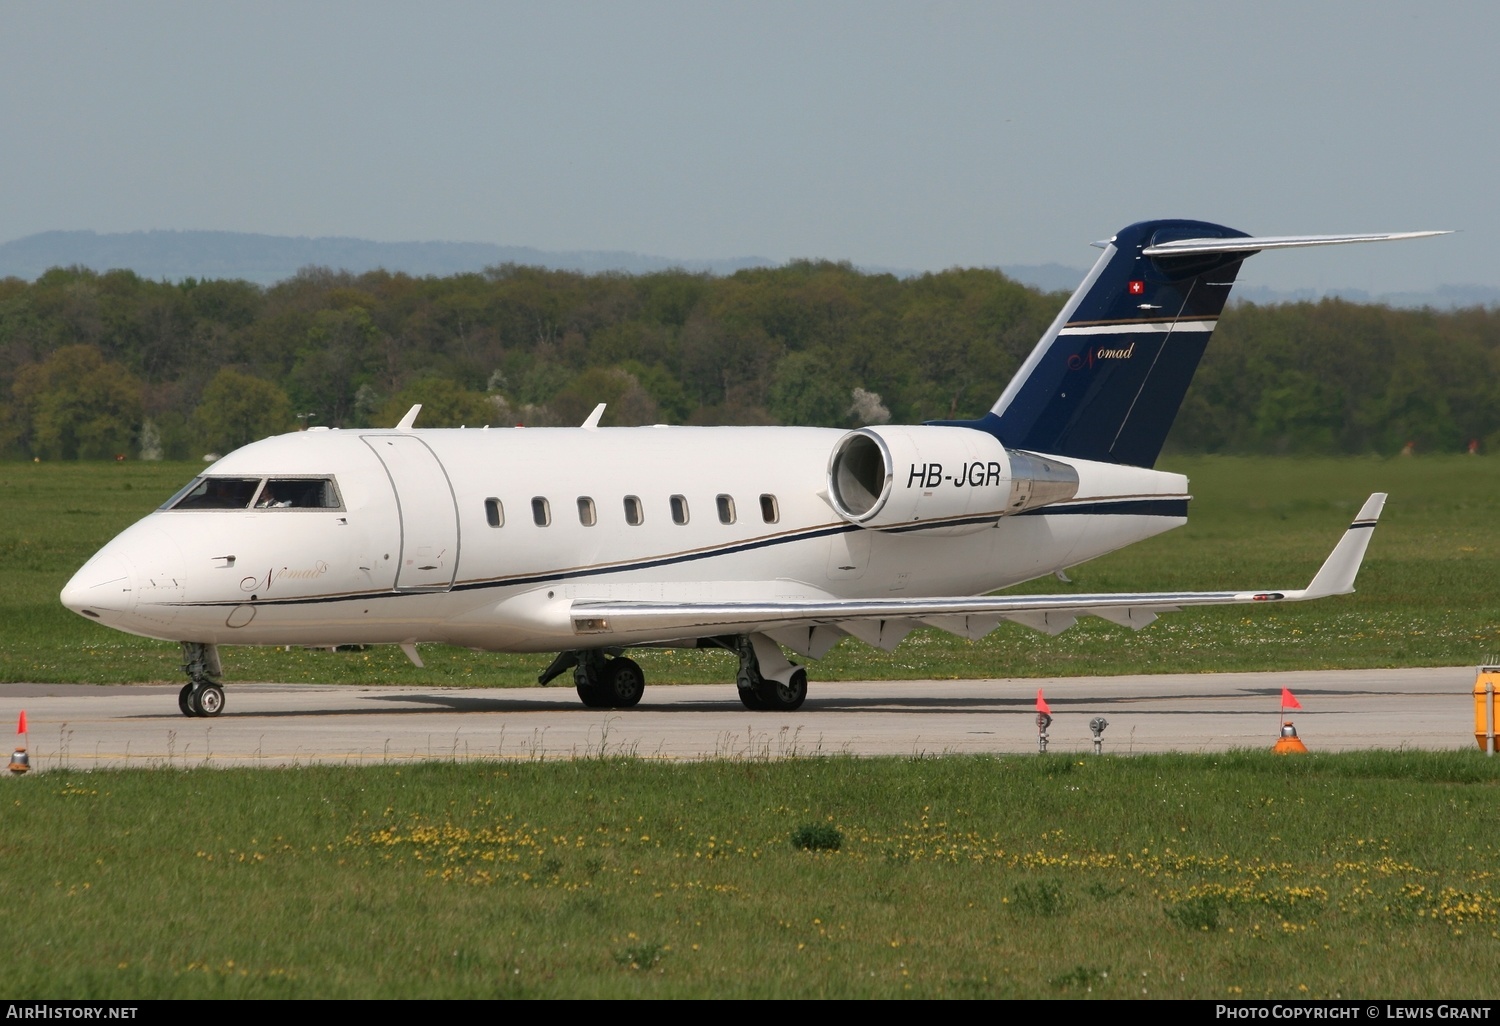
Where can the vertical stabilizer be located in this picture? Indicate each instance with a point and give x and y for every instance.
(1106, 380)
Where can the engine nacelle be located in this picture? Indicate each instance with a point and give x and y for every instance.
(957, 479)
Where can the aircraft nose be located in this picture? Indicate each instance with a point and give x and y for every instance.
(102, 588)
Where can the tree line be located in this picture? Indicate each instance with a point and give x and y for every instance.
(100, 365)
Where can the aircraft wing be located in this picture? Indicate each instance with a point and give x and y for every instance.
(812, 626)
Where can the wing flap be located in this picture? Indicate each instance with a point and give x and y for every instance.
(880, 632)
(812, 642)
(972, 627)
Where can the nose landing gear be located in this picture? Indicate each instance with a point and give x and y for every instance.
(201, 695)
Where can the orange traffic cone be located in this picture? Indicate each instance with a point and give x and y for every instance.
(1288, 742)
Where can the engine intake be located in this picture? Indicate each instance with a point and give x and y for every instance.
(952, 478)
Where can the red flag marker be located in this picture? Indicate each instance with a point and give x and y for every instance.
(21, 725)
(1289, 700)
(1041, 703)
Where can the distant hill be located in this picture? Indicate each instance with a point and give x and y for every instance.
(267, 259)
(1444, 297)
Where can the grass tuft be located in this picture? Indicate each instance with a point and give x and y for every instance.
(817, 837)
(1043, 898)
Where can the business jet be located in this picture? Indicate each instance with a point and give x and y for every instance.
(589, 542)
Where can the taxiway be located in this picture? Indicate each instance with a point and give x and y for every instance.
(275, 725)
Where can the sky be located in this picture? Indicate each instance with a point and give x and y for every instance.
(906, 135)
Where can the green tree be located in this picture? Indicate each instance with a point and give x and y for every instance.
(444, 405)
(237, 409)
(804, 391)
(76, 405)
(628, 402)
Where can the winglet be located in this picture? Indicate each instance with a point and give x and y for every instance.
(593, 419)
(1336, 576)
(410, 418)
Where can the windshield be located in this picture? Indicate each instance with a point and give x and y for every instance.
(256, 493)
(215, 493)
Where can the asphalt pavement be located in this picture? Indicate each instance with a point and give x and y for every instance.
(275, 725)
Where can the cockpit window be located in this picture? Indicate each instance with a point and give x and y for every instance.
(298, 493)
(216, 493)
(257, 493)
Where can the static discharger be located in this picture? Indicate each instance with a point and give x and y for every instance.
(1485, 685)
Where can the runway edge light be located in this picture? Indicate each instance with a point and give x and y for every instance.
(1288, 742)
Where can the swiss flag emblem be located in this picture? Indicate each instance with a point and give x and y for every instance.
(1137, 288)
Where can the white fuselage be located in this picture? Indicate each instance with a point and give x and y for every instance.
(410, 554)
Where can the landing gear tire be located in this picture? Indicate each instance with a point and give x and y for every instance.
(608, 683)
(201, 696)
(593, 695)
(208, 700)
(622, 682)
(751, 700)
(779, 697)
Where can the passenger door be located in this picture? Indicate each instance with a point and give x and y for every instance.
(429, 512)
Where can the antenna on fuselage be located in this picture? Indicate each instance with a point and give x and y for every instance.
(593, 419)
(410, 418)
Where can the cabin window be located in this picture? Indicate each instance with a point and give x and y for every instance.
(768, 509)
(634, 513)
(586, 515)
(494, 513)
(298, 493)
(726, 509)
(216, 493)
(541, 512)
(679, 510)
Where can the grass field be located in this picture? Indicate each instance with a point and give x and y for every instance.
(1247, 875)
(1426, 594)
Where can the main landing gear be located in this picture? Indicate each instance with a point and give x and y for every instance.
(201, 695)
(603, 681)
(767, 694)
(766, 681)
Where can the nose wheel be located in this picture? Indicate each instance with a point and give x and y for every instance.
(201, 699)
(200, 696)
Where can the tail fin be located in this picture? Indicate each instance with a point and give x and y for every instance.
(1108, 376)
(1106, 380)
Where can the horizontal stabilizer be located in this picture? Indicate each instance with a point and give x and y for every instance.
(884, 622)
(1249, 244)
